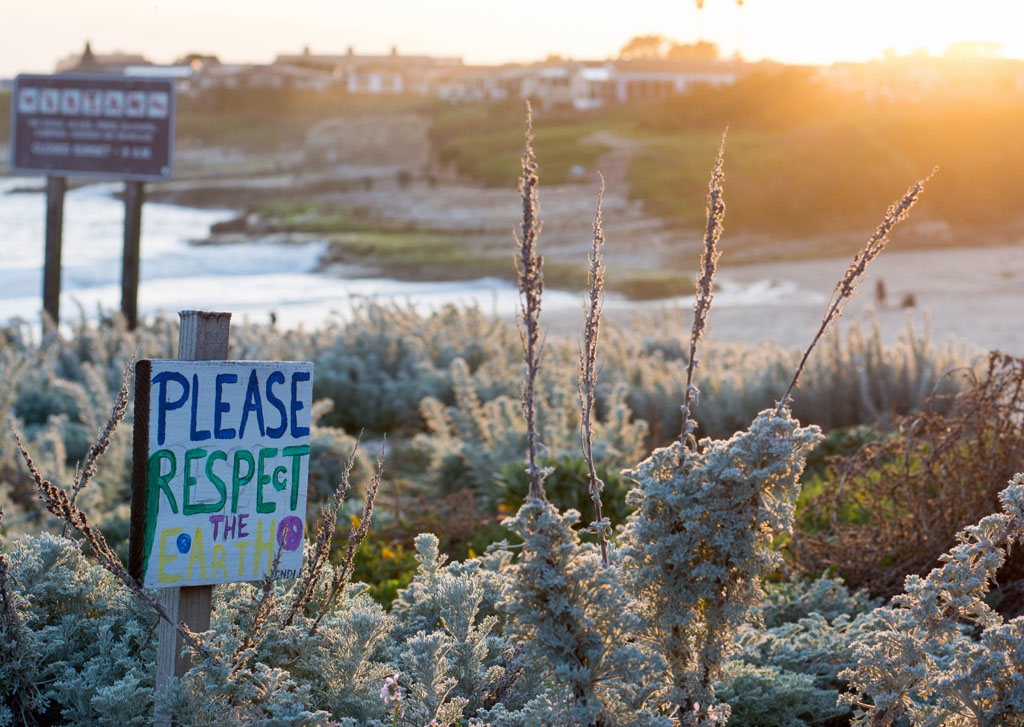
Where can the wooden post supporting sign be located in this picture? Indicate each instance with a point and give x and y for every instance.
(204, 336)
(219, 475)
(55, 188)
(134, 193)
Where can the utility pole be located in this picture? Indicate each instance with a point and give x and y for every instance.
(739, 29)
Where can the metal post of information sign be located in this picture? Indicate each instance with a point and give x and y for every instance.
(99, 126)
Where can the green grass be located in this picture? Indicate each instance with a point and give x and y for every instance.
(418, 255)
(485, 142)
(413, 254)
(796, 178)
(649, 284)
(303, 215)
(261, 120)
(802, 159)
(825, 178)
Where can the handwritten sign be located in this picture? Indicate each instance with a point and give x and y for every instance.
(221, 464)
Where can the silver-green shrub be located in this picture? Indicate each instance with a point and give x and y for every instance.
(700, 542)
(576, 621)
(943, 657)
(485, 435)
(84, 651)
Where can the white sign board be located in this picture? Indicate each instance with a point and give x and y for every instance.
(221, 465)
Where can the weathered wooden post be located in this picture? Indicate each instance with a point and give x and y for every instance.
(55, 188)
(203, 336)
(219, 473)
(134, 193)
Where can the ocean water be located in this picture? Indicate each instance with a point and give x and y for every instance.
(250, 279)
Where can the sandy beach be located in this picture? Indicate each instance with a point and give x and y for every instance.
(972, 296)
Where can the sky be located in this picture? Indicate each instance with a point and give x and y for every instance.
(34, 34)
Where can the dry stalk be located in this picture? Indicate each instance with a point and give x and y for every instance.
(899, 503)
(85, 472)
(57, 502)
(705, 283)
(313, 570)
(531, 287)
(587, 372)
(343, 571)
(847, 287)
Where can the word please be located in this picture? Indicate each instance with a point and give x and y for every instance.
(272, 411)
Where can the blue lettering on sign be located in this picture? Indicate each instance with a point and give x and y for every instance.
(198, 435)
(276, 432)
(270, 408)
(253, 403)
(298, 376)
(221, 407)
(163, 404)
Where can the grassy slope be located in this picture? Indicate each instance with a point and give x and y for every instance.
(262, 120)
(485, 142)
(802, 159)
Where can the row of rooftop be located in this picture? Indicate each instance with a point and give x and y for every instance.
(582, 85)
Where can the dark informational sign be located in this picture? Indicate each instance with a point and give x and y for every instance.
(93, 126)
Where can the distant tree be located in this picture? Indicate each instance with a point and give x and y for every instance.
(701, 50)
(974, 49)
(644, 47)
(204, 59)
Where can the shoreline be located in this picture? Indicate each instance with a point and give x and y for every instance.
(971, 294)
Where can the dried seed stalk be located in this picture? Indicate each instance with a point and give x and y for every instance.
(312, 571)
(847, 287)
(705, 283)
(57, 502)
(343, 572)
(587, 371)
(531, 287)
(257, 628)
(85, 472)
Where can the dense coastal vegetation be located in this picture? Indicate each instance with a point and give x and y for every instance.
(709, 591)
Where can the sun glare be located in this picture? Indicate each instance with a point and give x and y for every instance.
(792, 31)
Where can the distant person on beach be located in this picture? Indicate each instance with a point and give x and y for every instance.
(880, 293)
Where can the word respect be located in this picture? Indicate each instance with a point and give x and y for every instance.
(279, 469)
